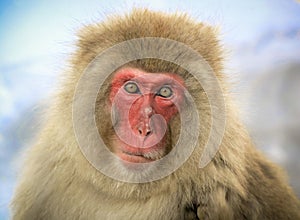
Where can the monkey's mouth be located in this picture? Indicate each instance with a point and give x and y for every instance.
(128, 153)
(139, 155)
(135, 157)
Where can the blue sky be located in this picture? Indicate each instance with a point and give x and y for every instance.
(36, 28)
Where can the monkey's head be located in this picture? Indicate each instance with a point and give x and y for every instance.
(147, 98)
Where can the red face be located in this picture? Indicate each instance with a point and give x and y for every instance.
(143, 104)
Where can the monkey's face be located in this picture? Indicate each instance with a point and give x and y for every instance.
(142, 106)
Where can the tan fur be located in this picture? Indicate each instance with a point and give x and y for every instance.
(59, 183)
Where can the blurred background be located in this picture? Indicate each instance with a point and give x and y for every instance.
(262, 39)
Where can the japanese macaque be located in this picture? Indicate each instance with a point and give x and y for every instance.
(140, 110)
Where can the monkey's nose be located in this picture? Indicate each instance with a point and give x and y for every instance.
(145, 130)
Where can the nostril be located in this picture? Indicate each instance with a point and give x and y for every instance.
(140, 131)
(148, 133)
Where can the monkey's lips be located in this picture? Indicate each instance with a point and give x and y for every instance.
(134, 158)
(139, 155)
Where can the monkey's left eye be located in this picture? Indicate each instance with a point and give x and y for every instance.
(165, 92)
(131, 88)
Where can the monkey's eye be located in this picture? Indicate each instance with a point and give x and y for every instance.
(131, 88)
(165, 92)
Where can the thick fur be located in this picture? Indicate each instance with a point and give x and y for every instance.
(57, 182)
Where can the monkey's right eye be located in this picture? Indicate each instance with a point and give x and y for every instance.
(131, 88)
